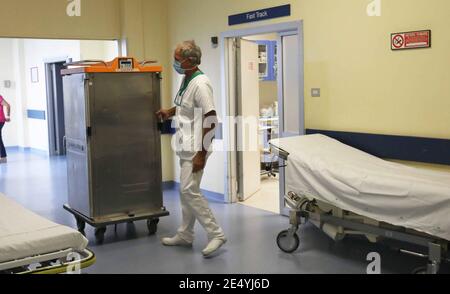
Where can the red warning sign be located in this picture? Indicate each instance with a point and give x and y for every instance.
(411, 40)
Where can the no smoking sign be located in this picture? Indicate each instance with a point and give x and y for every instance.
(411, 40)
(398, 41)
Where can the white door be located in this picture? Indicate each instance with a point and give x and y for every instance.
(291, 100)
(291, 87)
(248, 110)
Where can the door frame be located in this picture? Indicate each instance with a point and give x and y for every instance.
(301, 122)
(49, 86)
(229, 107)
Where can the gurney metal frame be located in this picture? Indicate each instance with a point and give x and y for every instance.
(50, 263)
(302, 209)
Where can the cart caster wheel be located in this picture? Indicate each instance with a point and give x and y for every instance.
(81, 225)
(286, 243)
(152, 225)
(100, 235)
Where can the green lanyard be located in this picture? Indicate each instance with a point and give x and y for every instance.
(184, 86)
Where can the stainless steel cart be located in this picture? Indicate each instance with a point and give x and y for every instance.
(113, 144)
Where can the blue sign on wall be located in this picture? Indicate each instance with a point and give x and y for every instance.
(259, 15)
(36, 114)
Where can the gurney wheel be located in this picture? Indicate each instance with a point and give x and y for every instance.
(420, 271)
(81, 225)
(286, 243)
(152, 225)
(100, 235)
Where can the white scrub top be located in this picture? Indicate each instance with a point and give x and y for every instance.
(196, 101)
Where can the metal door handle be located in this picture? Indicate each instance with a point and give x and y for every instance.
(85, 63)
(65, 144)
(148, 62)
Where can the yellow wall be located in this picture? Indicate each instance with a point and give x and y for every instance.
(48, 19)
(365, 86)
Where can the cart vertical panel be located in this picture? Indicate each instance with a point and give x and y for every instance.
(76, 121)
(125, 144)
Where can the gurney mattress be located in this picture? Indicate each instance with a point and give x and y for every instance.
(325, 169)
(25, 234)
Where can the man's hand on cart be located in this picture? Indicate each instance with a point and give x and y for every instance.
(165, 114)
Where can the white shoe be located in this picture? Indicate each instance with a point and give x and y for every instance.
(175, 241)
(213, 246)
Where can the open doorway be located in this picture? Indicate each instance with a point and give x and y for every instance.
(55, 107)
(264, 82)
(30, 80)
(257, 80)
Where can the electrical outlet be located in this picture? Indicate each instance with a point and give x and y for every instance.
(215, 42)
(315, 92)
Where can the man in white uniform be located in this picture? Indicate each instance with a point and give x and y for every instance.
(194, 109)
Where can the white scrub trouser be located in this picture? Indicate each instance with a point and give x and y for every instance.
(195, 206)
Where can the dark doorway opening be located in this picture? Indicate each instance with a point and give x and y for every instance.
(55, 108)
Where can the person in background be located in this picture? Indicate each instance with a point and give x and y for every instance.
(3, 119)
(194, 96)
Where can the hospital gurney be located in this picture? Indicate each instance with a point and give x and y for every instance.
(345, 191)
(30, 244)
